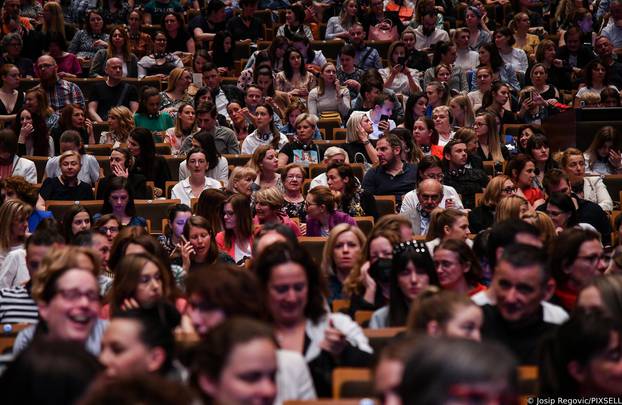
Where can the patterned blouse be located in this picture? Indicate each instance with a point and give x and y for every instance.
(82, 44)
(306, 82)
(295, 210)
(167, 102)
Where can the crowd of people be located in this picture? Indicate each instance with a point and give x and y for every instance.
(499, 251)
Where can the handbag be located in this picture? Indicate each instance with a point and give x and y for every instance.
(383, 31)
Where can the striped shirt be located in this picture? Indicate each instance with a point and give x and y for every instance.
(17, 306)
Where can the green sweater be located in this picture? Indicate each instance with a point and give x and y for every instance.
(158, 124)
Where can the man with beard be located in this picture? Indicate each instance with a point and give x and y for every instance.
(427, 33)
(392, 176)
(59, 91)
(366, 57)
(604, 49)
(521, 282)
(430, 194)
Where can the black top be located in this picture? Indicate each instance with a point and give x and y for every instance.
(418, 60)
(303, 154)
(378, 182)
(481, 218)
(135, 181)
(57, 131)
(522, 338)
(467, 183)
(201, 22)
(18, 104)
(108, 97)
(480, 153)
(356, 152)
(53, 189)
(159, 172)
(178, 43)
(240, 31)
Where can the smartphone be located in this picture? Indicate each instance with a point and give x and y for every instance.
(384, 117)
(401, 61)
(529, 96)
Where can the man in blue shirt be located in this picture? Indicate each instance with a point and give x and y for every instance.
(392, 176)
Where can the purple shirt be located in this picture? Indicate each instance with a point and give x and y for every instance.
(314, 227)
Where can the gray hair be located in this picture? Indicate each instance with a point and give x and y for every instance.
(10, 37)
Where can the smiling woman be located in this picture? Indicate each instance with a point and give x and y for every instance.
(66, 289)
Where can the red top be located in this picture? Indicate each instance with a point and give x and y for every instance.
(533, 194)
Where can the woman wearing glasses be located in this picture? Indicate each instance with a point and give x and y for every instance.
(322, 216)
(292, 176)
(483, 216)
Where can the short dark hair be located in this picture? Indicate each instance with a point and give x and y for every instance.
(44, 237)
(8, 141)
(521, 255)
(504, 233)
(565, 249)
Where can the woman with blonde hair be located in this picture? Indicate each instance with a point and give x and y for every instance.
(358, 146)
(462, 111)
(266, 163)
(489, 144)
(185, 127)
(483, 215)
(446, 224)
(544, 223)
(520, 25)
(329, 95)
(268, 209)
(176, 92)
(342, 252)
(338, 27)
(512, 207)
(573, 163)
(14, 216)
(241, 180)
(120, 124)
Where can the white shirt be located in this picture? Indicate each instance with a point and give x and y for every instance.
(220, 172)
(517, 58)
(552, 313)
(467, 59)
(293, 379)
(425, 42)
(253, 141)
(14, 272)
(183, 190)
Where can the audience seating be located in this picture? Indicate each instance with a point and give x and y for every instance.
(98, 128)
(379, 338)
(479, 197)
(142, 83)
(104, 164)
(169, 188)
(163, 148)
(339, 134)
(314, 245)
(363, 317)
(330, 48)
(173, 163)
(86, 84)
(386, 204)
(366, 224)
(238, 159)
(58, 208)
(40, 163)
(154, 210)
(8, 334)
(613, 182)
(340, 305)
(329, 125)
(98, 149)
(351, 382)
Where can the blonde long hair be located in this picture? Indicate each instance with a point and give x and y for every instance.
(328, 262)
(126, 121)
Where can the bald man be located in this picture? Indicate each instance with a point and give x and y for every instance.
(113, 92)
(60, 91)
(429, 194)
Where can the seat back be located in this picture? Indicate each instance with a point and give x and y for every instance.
(58, 208)
(154, 210)
(354, 377)
(40, 163)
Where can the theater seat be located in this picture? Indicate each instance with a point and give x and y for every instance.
(351, 382)
(154, 210)
(314, 245)
(58, 208)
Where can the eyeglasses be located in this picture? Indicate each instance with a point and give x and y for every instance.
(477, 125)
(73, 294)
(106, 229)
(308, 204)
(593, 259)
